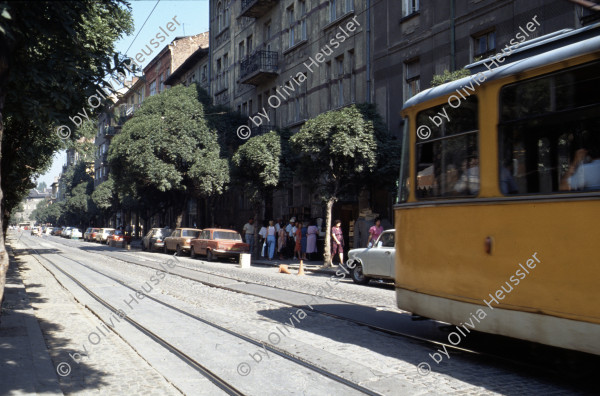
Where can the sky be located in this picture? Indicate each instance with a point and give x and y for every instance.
(193, 16)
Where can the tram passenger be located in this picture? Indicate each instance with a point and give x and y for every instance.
(468, 184)
(507, 181)
(584, 171)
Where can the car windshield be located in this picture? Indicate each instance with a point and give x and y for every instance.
(118, 232)
(227, 235)
(190, 233)
(386, 239)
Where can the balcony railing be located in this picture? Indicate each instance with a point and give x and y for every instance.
(259, 67)
(256, 8)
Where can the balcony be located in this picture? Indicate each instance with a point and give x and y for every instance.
(259, 67)
(256, 8)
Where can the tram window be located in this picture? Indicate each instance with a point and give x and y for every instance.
(448, 161)
(550, 133)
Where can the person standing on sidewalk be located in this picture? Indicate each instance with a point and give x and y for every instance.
(298, 241)
(281, 240)
(337, 242)
(248, 232)
(374, 233)
(271, 241)
(311, 239)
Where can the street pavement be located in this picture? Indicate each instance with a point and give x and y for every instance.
(127, 362)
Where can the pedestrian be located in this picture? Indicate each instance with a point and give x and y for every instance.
(374, 233)
(298, 241)
(281, 240)
(291, 243)
(337, 242)
(248, 232)
(311, 239)
(271, 242)
(263, 238)
(303, 240)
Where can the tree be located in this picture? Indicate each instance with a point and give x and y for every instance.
(337, 151)
(13, 218)
(261, 167)
(167, 151)
(104, 197)
(42, 186)
(53, 56)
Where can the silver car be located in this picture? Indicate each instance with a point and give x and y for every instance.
(375, 262)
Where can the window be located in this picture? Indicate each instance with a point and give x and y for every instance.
(250, 107)
(249, 44)
(220, 16)
(190, 233)
(412, 78)
(349, 5)
(352, 77)
(410, 7)
(153, 88)
(303, 33)
(340, 82)
(241, 51)
(291, 34)
(267, 32)
(161, 86)
(484, 45)
(219, 71)
(332, 10)
(544, 123)
(204, 72)
(245, 108)
(168, 72)
(448, 161)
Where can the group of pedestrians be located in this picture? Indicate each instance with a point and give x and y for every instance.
(296, 240)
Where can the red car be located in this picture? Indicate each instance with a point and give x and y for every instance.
(116, 236)
(216, 243)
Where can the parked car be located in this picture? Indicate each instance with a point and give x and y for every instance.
(154, 239)
(87, 233)
(115, 237)
(216, 243)
(92, 235)
(376, 262)
(180, 239)
(59, 231)
(75, 233)
(66, 232)
(102, 234)
(34, 231)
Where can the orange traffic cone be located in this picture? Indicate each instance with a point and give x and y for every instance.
(284, 269)
(301, 269)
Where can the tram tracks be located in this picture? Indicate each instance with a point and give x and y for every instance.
(482, 348)
(202, 369)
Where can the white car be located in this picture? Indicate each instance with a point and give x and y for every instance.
(103, 234)
(75, 233)
(375, 262)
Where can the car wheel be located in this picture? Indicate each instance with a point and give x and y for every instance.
(165, 250)
(210, 256)
(358, 275)
(192, 252)
(179, 251)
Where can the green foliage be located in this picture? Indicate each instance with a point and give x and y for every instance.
(448, 76)
(42, 186)
(54, 55)
(167, 151)
(258, 165)
(104, 194)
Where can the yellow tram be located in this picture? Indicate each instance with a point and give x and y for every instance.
(499, 205)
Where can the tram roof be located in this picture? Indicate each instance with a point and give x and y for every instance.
(531, 54)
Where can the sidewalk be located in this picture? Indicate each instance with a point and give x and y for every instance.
(25, 365)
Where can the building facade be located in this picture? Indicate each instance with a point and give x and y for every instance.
(415, 40)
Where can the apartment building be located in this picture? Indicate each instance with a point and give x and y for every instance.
(290, 61)
(415, 40)
(193, 70)
(170, 58)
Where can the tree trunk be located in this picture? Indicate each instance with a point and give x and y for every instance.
(327, 249)
(3, 221)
